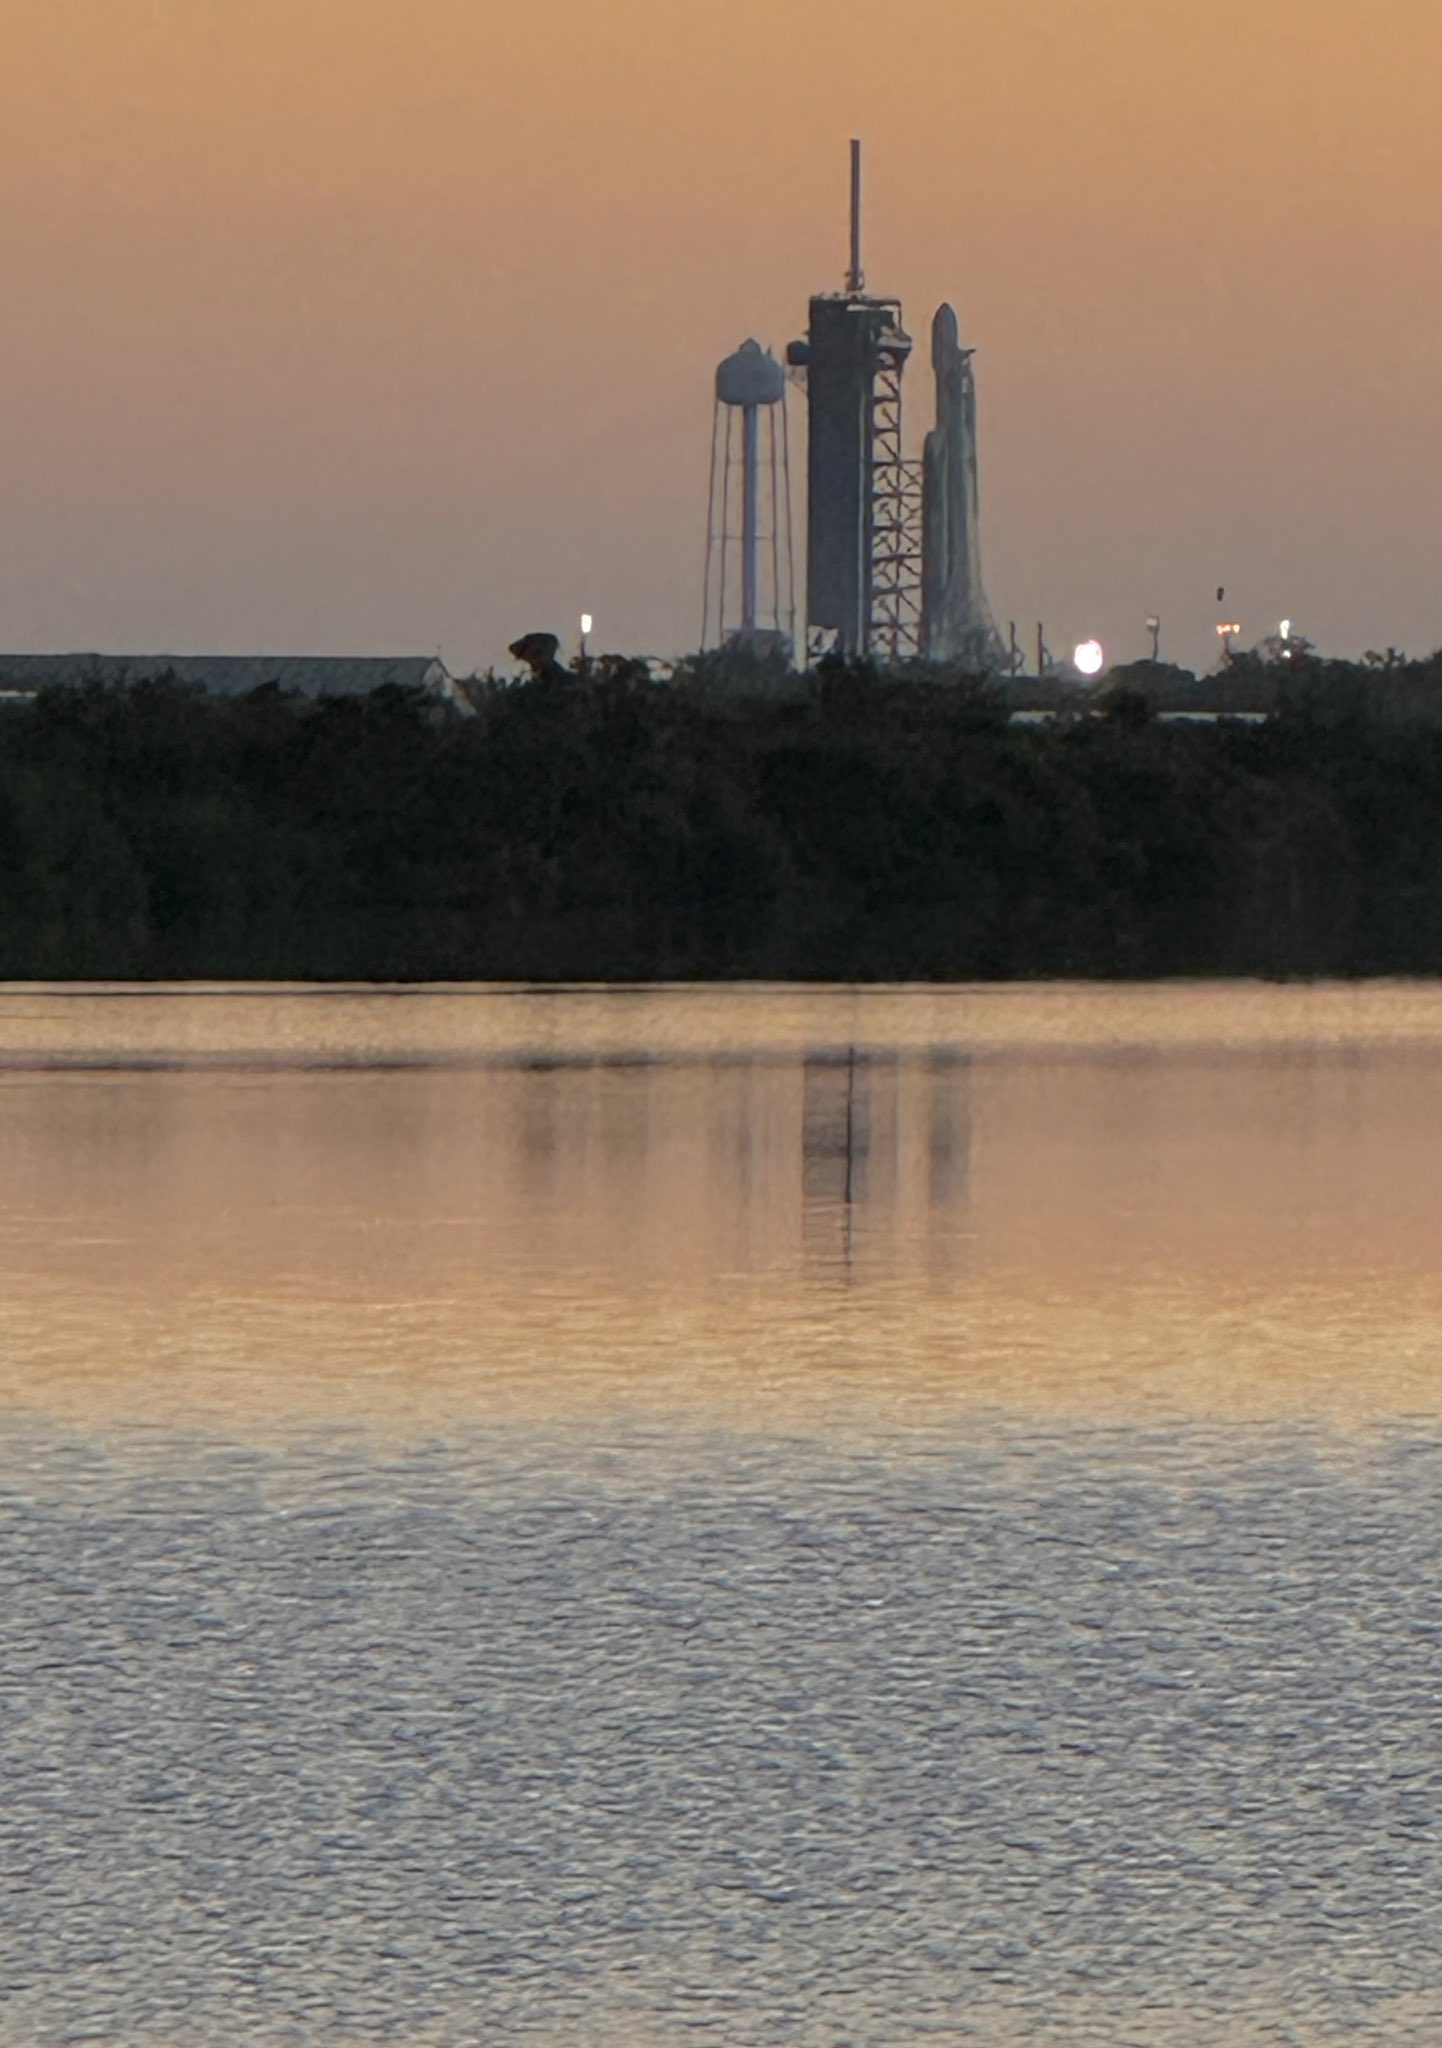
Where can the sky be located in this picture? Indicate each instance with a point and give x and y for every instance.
(380, 326)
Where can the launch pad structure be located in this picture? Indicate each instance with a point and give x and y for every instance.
(893, 563)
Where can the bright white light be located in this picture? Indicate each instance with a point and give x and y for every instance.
(586, 622)
(1090, 657)
(1286, 629)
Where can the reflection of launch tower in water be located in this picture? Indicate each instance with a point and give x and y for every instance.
(885, 1158)
(892, 547)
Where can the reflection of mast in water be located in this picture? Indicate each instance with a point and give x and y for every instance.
(886, 1150)
(835, 1140)
(850, 1130)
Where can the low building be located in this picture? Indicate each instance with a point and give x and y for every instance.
(235, 675)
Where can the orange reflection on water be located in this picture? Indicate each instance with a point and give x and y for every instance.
(824, 1211)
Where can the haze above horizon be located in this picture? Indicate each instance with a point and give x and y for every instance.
(337, 325)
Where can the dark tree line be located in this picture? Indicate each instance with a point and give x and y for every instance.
(841, 826)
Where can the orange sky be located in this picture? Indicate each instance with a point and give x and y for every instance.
(380, 324)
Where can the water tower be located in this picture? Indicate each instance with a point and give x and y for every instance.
(750, 575)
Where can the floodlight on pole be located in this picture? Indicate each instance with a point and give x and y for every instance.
(1089, 657)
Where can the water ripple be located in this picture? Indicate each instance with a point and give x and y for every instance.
(1102, 1736)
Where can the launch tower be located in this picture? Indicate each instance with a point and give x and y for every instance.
(893, 567)
(863, 497)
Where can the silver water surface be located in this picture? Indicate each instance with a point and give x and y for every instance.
(761, 1517)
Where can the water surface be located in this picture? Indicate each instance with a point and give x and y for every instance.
(760, 1516)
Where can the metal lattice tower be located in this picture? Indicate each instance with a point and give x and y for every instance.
(894, 627)
(893, 559)
(864, 498)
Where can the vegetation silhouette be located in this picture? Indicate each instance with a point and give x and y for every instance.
(729, 820)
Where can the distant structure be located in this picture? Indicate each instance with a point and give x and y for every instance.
(863, 498)
(956, 621)
(541, 652)
(754, 599)
(893, 565)
(235, 675)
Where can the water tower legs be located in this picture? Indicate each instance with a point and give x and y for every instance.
(750, 531)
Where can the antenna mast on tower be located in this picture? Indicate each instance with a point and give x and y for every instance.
(855, 277)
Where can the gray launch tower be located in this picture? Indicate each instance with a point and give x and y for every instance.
(892, 563)
(863, 498)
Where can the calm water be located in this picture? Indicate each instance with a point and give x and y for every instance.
(818, 1518)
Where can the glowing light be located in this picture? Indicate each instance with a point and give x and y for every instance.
(1286, 629)
(1090, 657)
(586, 622)
(1228, 629)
